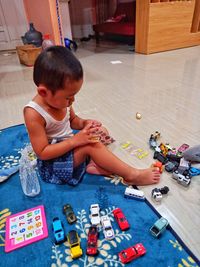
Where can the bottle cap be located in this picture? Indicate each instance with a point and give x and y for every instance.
(46, 36)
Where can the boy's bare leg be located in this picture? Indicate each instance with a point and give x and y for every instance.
(93, 168)
(113, 165)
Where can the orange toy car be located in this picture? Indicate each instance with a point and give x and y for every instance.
(159, 165)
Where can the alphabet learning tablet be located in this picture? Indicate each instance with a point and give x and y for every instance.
(25, 227)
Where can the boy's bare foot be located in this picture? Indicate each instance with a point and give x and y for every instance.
(143, 177)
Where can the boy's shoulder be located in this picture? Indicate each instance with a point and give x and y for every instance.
(30, 114)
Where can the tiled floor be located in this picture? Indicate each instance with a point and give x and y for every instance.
(163, 87)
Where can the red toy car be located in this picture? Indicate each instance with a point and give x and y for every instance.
(132, 253)
(121, 219)
(92, 241)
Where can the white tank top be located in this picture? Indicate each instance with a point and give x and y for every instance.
(55, 130)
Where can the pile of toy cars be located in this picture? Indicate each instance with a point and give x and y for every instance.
(173, 160)
(97, 222)
(103, 222)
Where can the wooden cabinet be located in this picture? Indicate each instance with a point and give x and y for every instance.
(13, 23)
(163, 25)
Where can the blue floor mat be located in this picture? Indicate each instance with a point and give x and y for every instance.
(167, 251)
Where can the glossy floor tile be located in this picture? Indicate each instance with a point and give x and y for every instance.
(163, 87)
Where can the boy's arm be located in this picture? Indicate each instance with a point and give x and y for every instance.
(36, 128)
(78, 123)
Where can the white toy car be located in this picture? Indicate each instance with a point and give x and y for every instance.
(107, 227)
(134, 193)
(156, 194)
(182, 176)
(95, 216)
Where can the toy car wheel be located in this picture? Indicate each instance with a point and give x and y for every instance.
(185, 173)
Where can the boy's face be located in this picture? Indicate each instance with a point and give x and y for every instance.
(65, 97)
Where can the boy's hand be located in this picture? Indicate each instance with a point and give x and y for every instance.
(89, 134)
(93, 123)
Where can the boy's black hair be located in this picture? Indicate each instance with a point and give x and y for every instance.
(56, 65)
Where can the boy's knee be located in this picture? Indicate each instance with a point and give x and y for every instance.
(87, 148)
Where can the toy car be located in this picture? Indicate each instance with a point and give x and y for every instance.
(169, 147)
(185, 163)
(163, 149)
(95, 216)
(121, 219)
(74, 243)
(152, 142)
(172, 157)
(69, 213)
(159, 165)
(107, 227)
(134, 193)
(132, 253)
(194, 171)
(182, 176)
(92, 241)
(58, 231)
(155, 135)
(182, 148)
(171, 166)
(159, 156)
(171, 150)
(156, 194)
(159, 227)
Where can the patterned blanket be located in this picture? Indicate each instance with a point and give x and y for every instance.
(167, 251)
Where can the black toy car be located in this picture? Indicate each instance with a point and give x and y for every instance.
(171, 166)
(69, 213)
(173, 157)
(160, 157)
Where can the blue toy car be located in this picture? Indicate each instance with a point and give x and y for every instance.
(58, 231)
(159, 227)
(194, 171)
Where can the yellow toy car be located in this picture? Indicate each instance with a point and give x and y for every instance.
(163, 149)
(74, 243)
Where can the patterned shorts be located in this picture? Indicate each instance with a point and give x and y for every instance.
(61, 170)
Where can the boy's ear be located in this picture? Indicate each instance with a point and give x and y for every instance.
(42, 91)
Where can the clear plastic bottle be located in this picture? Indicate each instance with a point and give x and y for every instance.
(28, 174)
(47, 41)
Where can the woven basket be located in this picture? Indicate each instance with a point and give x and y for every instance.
(27, 54)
